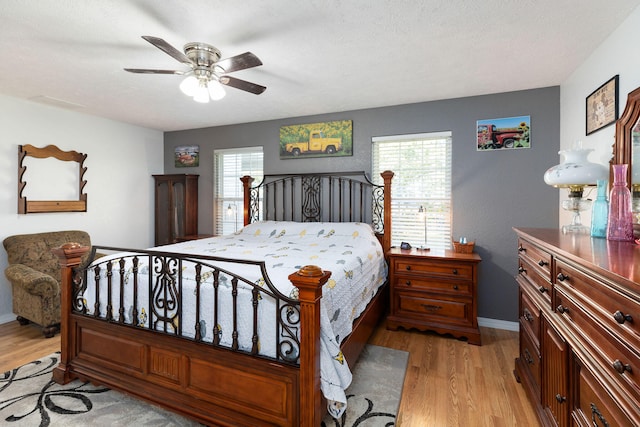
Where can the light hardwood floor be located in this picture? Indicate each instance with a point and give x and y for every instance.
(23, 344)
(448, 382)
(452, 383)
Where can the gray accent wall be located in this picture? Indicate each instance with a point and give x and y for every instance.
(493, 191)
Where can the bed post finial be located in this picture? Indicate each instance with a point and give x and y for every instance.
(246, 183)
(69, 256)
(386, 240)
(309, 281)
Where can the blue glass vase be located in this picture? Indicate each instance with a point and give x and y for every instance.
(600, 211)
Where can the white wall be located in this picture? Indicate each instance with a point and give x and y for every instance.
(120, 161)
(617, 55)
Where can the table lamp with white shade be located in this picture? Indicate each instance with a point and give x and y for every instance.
(575, 173)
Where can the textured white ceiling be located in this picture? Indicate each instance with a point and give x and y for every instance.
(319, 55)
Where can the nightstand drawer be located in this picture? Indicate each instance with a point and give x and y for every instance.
(456, 287)
(434, 308)
(435, 269)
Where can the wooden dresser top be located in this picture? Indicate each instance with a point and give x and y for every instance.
(614, 260)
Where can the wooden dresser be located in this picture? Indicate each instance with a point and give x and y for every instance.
(434, 290)
(579, 307)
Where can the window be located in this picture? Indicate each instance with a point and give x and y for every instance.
(229, 166)
(422, 167)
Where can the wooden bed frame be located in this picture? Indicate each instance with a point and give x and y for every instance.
(222, 386)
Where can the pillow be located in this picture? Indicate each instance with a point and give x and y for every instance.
(293, 229)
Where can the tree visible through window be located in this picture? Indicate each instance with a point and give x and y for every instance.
(229, 166)
(422, 167)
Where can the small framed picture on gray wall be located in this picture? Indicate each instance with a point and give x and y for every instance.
(504, 133)
(187, 156)
(602, 106)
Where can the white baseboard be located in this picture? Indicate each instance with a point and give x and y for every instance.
(498, 324)
(6, 318)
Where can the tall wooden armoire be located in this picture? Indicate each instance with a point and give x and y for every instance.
(176, 207)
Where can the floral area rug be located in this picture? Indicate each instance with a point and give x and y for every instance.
(29, 397)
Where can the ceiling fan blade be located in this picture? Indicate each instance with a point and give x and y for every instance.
(148, 71)
(239, 62)
(242, 85)
(168, 49)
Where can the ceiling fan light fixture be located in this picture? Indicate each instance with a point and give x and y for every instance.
(189, 86)
(202, 92)
(208, 71)
(216, 91)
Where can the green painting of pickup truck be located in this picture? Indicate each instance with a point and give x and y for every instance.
(317, 140)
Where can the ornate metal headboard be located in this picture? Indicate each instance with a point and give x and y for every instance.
(320, 197)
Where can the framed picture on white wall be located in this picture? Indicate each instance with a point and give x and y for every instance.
(602, 106)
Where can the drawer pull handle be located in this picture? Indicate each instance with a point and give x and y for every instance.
(521, 270)
(527, 315)
(595, 412)
(527, 357)
(620, 367)
(521, 249)
(408, 267)
(431, 307)
(620, 317)
(562, 277)
(542, 263)
(408, 283)
(455, 271)
(561, 309)
(542, 289)
(455, 287)
(560, 398)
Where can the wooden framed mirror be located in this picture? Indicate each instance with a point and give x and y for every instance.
(628, 135)
(626, 150)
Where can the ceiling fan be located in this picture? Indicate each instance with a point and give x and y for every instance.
(208, 72)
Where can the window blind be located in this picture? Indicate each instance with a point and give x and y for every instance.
(229, 166)
(422, 167)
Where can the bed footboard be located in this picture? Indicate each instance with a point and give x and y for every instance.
(212, 385)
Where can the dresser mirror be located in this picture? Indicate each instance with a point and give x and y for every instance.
(626, 149)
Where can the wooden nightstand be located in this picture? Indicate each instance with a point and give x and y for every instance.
(434, 290)
(193, 237)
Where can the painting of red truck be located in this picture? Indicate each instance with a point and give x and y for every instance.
(504, 133)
